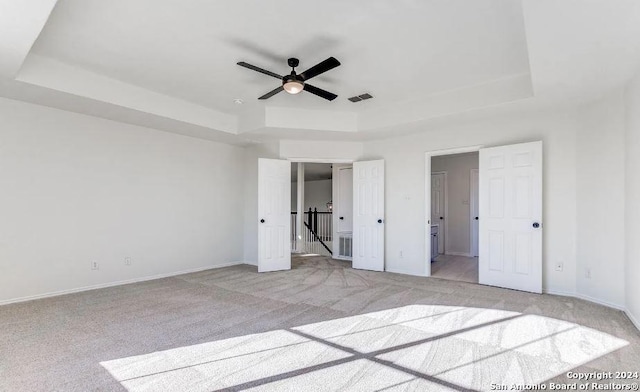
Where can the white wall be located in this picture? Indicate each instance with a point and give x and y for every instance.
(600, 200)
(582, 191)
(76, 188)
(405, 179)
(632, 201)
(316, 195)
(458, 168)
(349, 151)
(302, 119)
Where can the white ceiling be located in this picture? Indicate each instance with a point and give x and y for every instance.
(398, 50)
(172, 65)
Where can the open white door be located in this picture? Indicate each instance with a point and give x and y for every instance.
(274, 215)
(510, 202)
(368, 215)
(473, 208)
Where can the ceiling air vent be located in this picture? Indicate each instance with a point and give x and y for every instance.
(362, 97)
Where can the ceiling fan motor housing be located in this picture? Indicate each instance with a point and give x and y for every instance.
(292, 83)
(293, 62)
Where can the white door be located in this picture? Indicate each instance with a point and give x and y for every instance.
(368, 215)
(274, 221)
(438, 197)
(473, 208)
(345, 199)
(510, 204)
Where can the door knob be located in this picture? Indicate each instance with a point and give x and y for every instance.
(441, 218)
(536, 225)
(342, 218)
(379, 220)
(261, 220)
(476, 218)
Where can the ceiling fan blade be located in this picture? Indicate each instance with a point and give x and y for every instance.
(320, 92)
(319, 68)
(258, 69)
(272, 93)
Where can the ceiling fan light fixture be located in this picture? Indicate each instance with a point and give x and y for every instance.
(294, 83)
(293, 86)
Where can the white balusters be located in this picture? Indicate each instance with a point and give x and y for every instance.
(322, 222)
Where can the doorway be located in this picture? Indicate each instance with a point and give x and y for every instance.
(438, 211)
(275, 219)
(509, 212)
(324, 241)
(313, 233)
(452, 216)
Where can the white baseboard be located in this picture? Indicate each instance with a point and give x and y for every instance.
(586, 298)
(403, 272)
(117, 283)
(633, 318)
(561, 293)
(458, 254)
(601, 302)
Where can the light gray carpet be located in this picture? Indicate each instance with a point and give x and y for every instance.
(321, 326)
(464, 269)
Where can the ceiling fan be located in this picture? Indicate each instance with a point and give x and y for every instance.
(295, 83)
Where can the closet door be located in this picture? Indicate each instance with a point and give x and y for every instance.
(368, 215)
(510, 201)
(274, 215)
(345, 199)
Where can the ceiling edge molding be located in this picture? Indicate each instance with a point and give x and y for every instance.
(496, 92)
(310, 119)
(55, 75)
(37, 95)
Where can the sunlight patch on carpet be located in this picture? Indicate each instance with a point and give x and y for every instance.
(417, 346)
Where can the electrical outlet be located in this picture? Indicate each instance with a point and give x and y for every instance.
(587, 273)
(127, 261)
(559, 266)
(401, 254)
(95, 266)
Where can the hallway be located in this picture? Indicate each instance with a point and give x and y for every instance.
(460, 268)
